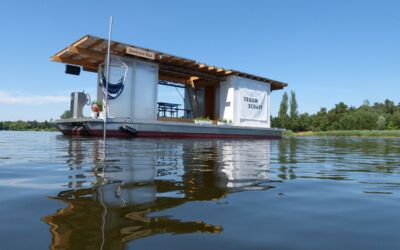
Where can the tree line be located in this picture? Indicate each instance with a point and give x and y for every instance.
(27, 125)
(385, 115)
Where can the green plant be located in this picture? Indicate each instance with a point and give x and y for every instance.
(202, 118)
(97, 106)
(222, 120)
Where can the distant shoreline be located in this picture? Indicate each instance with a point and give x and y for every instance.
(27, 126)
(33, 130)
(347, 133)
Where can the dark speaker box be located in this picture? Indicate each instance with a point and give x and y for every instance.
(73, 70)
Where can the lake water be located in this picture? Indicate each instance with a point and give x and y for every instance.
(301, 193)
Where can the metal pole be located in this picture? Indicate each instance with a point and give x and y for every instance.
(107, 80)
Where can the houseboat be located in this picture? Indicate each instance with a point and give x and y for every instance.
(216, 102)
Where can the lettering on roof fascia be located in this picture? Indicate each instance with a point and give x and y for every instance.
(140, 53)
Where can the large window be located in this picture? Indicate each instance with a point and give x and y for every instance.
(171, 100)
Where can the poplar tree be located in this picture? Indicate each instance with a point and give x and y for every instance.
(294, 113)
(283, 109)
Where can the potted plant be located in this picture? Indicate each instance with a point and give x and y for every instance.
(97, 109)
(222, 121)
(202, 120)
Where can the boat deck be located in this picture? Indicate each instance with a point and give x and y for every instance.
(162, 128)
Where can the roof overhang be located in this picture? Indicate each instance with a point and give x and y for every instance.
(89, 52)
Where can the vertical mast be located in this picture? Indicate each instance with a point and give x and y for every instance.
(103, 224)
(107, 80)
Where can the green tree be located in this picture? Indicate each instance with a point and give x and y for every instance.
(348, 121)
(294, 113)
(381, 122)
(67, 114)
(380, 115)
(365, 119)
(304, 122)
(395, 121)
(320, 120)
(336, 114)
(275, 122)
(283, 109)
(390, 108)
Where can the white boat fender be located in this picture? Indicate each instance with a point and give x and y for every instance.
(128, 129)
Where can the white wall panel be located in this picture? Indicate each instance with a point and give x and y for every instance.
(145, 91)
(245, 101)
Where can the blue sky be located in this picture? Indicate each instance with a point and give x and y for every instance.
(328, 51)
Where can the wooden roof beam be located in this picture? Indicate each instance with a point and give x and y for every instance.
(205, 67)
(60, 53)
(169, 59)
(95, 44)
(89, 53)
(82, 63)
(180, 61)
(189, 63)
(162, 58)
(81, 41)
(115, 50)
(181, 79)
(94, 70)
(171, 78)
(187, 71)
(191, 80)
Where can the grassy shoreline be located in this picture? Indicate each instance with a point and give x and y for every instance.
(348, 133)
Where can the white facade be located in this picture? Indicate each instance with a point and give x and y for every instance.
(245, 102)
(138, 99)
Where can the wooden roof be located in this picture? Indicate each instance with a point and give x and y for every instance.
(89, 52)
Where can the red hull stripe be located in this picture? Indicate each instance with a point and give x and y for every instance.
(149, 134)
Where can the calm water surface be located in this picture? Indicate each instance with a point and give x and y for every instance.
(310, 193)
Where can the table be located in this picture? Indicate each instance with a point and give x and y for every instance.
(164, 107)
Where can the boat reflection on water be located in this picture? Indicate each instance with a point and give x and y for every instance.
(109, 203)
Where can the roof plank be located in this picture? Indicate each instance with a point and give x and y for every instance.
(89, 53)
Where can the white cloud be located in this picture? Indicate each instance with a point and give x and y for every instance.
(17, 98)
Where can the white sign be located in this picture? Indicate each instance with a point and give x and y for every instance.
(253, 101)
(140, 53)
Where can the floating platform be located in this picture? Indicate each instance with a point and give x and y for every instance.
(117, 127)
(148, 93)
